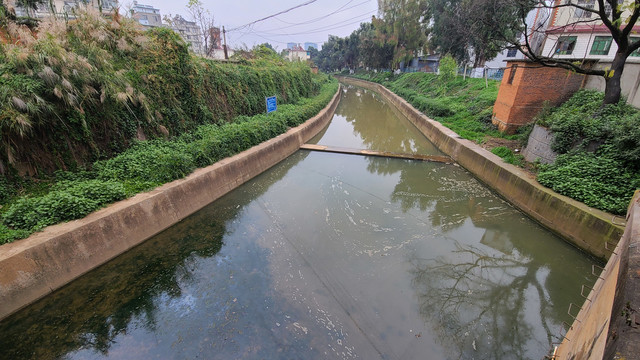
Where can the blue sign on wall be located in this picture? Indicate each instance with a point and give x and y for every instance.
(272, 105)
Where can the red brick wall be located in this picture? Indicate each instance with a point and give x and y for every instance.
(519, 102)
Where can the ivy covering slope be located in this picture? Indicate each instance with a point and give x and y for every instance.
(147, 164)
(600, 151)
(94, 110)
(79, 91)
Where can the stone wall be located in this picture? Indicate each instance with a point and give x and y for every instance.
(539, 146)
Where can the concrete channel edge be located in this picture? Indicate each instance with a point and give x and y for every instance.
(38, 265)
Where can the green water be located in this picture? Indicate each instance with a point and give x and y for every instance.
(325, 256)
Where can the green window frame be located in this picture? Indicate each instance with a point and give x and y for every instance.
(637, 52)
(565, 45)
(601, 45)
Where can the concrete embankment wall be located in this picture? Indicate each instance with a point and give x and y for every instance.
(585, 227)
(607, 325)
(33, 267)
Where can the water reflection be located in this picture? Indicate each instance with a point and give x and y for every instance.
(363, 120)
(126, 294)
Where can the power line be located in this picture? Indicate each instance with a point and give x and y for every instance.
(323, 28)
(276, 14)
(339, 10)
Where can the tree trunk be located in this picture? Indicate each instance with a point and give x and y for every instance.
(612, 90)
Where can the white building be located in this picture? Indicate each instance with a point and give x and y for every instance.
(65, 8)
(298, 53)
(146, 15)
(189, 31)
(581, 36)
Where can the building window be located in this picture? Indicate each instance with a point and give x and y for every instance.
(565, 45)
(601, 45)
(631, 41)
(584, 14)
(512, 73)
(512, 52)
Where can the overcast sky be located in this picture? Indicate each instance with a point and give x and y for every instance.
(310, 23)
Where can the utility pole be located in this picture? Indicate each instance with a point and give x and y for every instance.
(224, 35)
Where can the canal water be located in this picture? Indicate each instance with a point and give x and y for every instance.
(325, 256)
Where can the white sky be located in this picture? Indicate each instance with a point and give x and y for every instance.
(317, 16)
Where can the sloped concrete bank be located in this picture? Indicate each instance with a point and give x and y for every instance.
(608, 323)
(33, 267)
(587, 228)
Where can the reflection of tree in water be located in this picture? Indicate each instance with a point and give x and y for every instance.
(479, 303)
(451, 192)
(485, 299)
(87, 314)
(92, 311)
(380, 125)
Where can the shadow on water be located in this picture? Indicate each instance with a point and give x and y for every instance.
(125, 294)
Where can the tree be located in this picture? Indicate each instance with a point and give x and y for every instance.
(373, 53)
(465, 28)
(204, 19)
(618, 17)
(401, 26)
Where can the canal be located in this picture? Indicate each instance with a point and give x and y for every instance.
(326, 256)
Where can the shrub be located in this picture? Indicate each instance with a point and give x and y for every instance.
(57, 206)
(448, 67)
(598, 180)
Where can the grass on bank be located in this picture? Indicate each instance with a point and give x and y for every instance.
(148, 164)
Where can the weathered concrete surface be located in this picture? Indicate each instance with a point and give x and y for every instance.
(365, 152)
(539, 146)
(33, 267)
(585, 227)
(608, 325)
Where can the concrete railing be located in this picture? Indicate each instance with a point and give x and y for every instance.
(32, 268)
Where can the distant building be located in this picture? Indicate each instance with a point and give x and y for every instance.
(67, 8)
(189, 31)
(215, 38)
(291, 45)
(309, 45)
(146, 15)
(298, 53)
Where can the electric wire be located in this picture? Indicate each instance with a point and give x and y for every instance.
(274, 15)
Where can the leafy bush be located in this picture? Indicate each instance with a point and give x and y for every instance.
(34, 213)
(596, 179)
(85, 89)
(448, 67)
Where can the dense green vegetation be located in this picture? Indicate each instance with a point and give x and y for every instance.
(79, 91)
(463, 105)
(600, 151)
(147, 164)
(94, 110)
